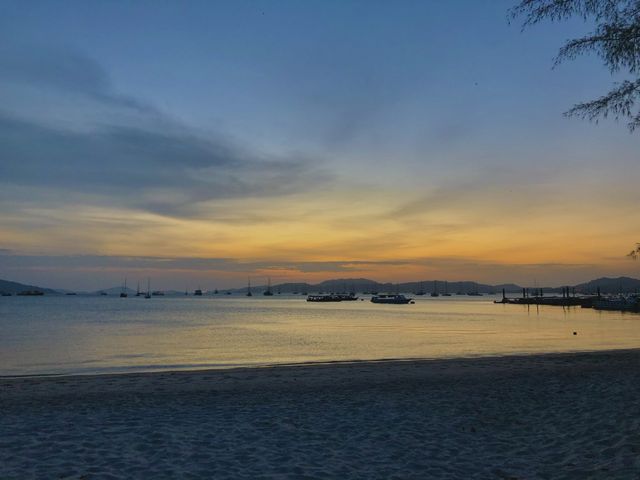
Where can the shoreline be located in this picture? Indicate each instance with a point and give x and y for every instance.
(195, 369)
(318, 374)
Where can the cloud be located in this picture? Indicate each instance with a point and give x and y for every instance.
(144, 161)
(63, 70)
(230, 265)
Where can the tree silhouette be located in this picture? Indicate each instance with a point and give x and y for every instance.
(615, 39)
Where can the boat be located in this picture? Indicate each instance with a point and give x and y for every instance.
(138, 293)
(148, 294)
(347, 297)
(435, 289)
(268, 291)
(446, 290)
(157, 293)
(396, 299)
(620, 303)
(123, 293)
(6, 294)
(30, 293)
(421, 290)
(323, 298)
(332, 297)
(198, 292)
(249, 294)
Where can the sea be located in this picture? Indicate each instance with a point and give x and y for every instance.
(59, 335)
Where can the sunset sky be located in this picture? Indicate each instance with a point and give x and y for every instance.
(201, 142)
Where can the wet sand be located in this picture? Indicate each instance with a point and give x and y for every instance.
(550, 416)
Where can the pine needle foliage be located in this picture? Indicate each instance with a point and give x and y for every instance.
(615, 39)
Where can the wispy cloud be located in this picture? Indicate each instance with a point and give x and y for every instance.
(146, 161)
(62, 70)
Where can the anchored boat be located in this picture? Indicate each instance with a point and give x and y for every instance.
(392, 299)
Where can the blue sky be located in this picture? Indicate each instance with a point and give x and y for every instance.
(284, 133)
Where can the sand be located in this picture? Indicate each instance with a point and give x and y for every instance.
(545, 416)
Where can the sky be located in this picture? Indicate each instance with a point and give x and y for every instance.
(199, 143)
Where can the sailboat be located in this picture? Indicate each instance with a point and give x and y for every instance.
(148, 294)
(446, 290)
(123, 293)
(249, 294)
(421, 291)
(138, 293)
(435, 289)
(268, 291)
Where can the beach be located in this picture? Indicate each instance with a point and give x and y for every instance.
(547, 416)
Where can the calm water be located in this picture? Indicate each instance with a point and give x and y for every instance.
(41, 335)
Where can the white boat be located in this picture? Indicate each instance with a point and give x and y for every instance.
(392, 299)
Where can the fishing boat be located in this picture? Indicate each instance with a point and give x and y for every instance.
(347, 297)
(332, 297)
(324, 298)
(396, 299)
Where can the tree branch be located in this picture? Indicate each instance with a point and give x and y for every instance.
(619, 102)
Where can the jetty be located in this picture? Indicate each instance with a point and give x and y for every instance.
(537, 298)
(620, 303)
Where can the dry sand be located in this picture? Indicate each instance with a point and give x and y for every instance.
(545, 416)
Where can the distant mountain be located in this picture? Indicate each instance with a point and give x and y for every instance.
(610, 285)
(15, 287)
(508, 287)
(359, 285)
